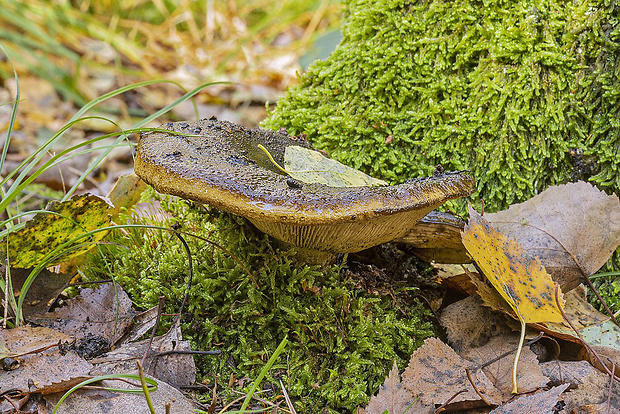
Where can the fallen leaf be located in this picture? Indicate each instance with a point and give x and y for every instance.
(470, 325)
(140, 324)
(518, 276)
(573, 228)
(309, 166)
(436, 373)
(47, 232)
(456, 277)
(105, 402)
(126, 193)
(393, 398)
(593, 326)
(46, 368)
(105, 313)
(588, 387)
(176, 369)
(529, 377)
(44, 289)
(542, 402)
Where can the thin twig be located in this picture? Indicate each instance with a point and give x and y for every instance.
(471, 381)
(442, 407)
(148, 347)
(190, 270)
(184, 352)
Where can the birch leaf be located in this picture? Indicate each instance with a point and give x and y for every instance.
(519, 277)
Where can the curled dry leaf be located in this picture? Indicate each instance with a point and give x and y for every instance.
(573, 229)
(437, 238)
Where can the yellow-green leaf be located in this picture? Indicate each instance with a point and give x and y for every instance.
(310, 167)
(520, 278)
(65, 222)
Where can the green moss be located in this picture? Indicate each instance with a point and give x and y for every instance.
(342, 338)
(515, 91)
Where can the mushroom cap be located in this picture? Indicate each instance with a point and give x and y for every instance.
(220, 163)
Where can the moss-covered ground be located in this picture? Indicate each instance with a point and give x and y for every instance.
(343, 336)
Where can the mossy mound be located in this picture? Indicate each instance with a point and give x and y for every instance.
(525, 94)
(342, 339)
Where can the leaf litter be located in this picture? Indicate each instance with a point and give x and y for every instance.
(519, 235)
(69, 350)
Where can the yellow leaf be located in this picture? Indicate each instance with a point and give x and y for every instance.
(66, 222)
(520, 278)
(310, 166)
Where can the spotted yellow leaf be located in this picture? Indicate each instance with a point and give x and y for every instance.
(63, 223)
(519, 277)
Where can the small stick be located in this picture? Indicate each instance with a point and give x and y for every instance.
(471, 381)
(442, 407)
(159, 308)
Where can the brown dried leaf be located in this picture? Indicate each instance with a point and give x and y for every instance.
(542, 402)
(470, 325)
(140, 324)
(175, 369)
(45, 288)
(106, 402)
(456, 277)
(571, 227)
(529, 375)
(45, 368)
(105, 312)
(436, 373)
(394, 398)
(592, 324)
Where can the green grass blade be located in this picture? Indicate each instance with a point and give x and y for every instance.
(263, 373)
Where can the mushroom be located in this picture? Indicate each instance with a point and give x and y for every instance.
(221, 164)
